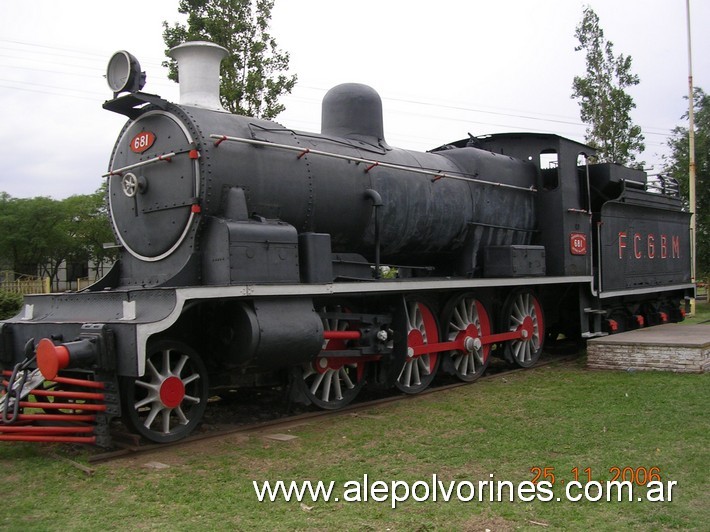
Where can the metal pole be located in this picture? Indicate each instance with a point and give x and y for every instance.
(691, 157)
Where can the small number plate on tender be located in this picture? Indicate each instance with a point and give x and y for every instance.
(578, 243)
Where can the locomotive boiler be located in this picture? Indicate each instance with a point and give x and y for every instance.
(251, 253)
(346, 183)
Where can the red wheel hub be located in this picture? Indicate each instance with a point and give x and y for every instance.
(323, 364)
(472, 331)
(528, 328)
(469, 332)
(172, 392)
(415, 338)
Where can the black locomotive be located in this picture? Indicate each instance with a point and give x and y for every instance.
(252, 254)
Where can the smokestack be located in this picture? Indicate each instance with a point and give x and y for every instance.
(198, 73)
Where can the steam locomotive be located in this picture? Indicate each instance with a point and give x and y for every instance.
(254, 254)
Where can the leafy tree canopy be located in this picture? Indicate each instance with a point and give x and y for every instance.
(38, 234)
(252, 78)
(604, 103)
(677, 166)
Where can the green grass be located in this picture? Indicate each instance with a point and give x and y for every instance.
(702, 313)
(559, 416)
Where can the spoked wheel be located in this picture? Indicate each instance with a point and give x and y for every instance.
(332, 382)
(169, 400)
(419, 370)
(522, 312)
(467, 321)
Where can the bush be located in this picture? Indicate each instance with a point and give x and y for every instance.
(10, 304)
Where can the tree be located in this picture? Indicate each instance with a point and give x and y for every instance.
(604, 103)
(38, 234)
(677, 165)
(251, 80)
(31, 237)
(88, 225)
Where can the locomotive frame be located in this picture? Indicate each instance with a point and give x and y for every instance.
(252, 254)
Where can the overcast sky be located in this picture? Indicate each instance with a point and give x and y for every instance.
(443, 68)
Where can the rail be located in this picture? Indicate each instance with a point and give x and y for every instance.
(282, 418)
(120, 171)
(666, 185)
(371, 164)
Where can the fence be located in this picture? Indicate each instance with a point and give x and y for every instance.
(26, 285)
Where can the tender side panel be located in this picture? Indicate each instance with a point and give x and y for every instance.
(642, 247)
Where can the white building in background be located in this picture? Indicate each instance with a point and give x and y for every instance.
(74, 276)
(71, 277)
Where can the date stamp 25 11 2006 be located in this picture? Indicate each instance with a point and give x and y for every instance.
(639, 475)
(622, 481)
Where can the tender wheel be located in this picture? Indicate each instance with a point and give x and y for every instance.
(672, 311)
(419, 370)
(620, 317)
(522, 312)
(169, 400)
(332, 383)
(467, 320)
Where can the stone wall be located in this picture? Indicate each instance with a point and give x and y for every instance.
(625, 356)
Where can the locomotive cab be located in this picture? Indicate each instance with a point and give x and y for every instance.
(564, 219)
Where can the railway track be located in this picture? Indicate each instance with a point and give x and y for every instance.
(131, 445)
